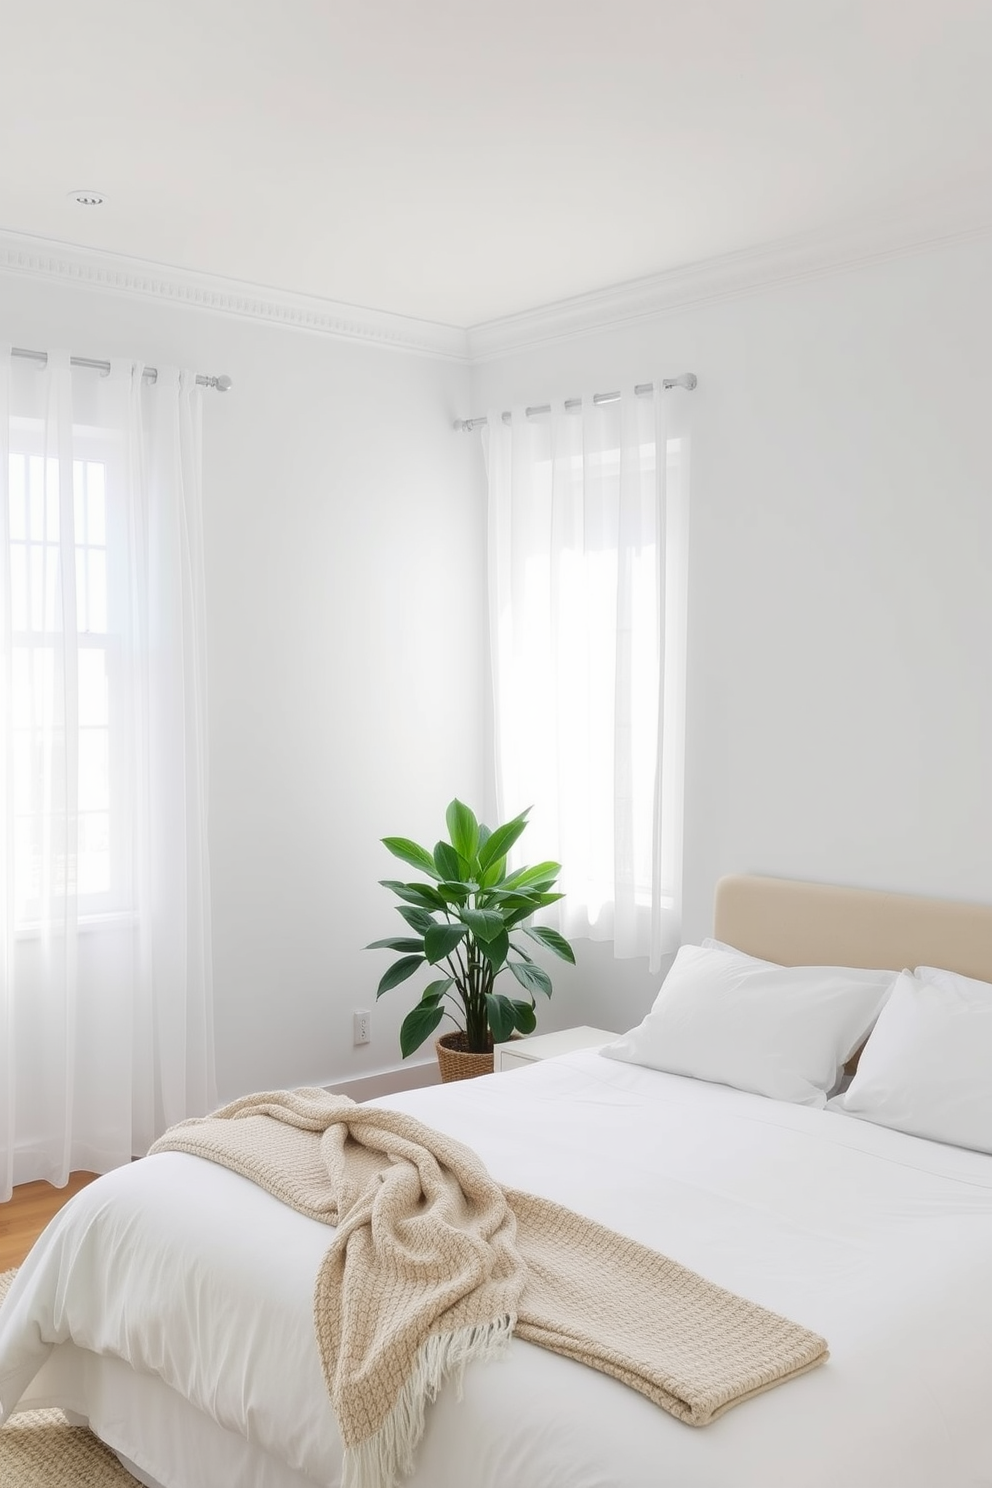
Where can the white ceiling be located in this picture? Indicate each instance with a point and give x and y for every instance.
(459, 161)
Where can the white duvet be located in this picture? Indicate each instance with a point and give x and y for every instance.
(174, 1282)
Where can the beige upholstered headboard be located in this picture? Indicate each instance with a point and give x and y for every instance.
(806, 924)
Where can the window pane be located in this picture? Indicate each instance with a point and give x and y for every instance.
(93, 698)
(94, 778)
(17, 526)
(21, 688)
(79, 499)
(27, 857)
(36, 497)
(43, 498)
(81, 587)
(95, 508)
(43, 868)
(62, 821)
(25, 760)
(44, 587)
(19, 586)
(96, 588)
(33, 679)
(58, 868)
(53, 589)
(52, 500)
(94, 853)
(36, 585)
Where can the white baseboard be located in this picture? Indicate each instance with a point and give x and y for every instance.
(388, 1082)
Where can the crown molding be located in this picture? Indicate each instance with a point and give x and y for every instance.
(44, 258)
(935, 223)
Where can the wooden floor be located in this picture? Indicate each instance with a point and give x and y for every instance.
(24, 1216)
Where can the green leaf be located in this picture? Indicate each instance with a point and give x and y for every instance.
(508, 899)
(425, 896)
(552, 940)
(530, 976)
(451, 865)
(463, 829)
(455, 892)
(418, 919)
(538, 873)
(398, 972)
(485, 924)
(417, 1026)
(500, 842)
(539, 886)
(441, 940)
(411, 852)
(434, 991)
(502, 1020)
(396, 943)
(513, 917)
(492, 875)
(524, 1017)
(517, 907)
(496, 950)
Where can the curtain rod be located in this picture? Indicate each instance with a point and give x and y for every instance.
(221, 383)
(687, 380)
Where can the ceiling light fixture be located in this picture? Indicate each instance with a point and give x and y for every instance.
(87, 198)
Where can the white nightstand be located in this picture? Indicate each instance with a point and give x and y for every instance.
(521, 1052)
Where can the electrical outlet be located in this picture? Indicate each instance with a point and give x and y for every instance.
(363, 1027)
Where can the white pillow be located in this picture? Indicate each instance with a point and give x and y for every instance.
(780, 1031)
(927, 1068)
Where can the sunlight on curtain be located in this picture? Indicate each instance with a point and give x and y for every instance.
(105, 974)
(587, 553)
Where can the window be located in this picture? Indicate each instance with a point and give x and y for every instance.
(587, 561)
(105, 996)
(66, 757)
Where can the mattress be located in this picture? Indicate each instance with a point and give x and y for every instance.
(170, 1303)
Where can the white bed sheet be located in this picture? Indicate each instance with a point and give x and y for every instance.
(881, 1242)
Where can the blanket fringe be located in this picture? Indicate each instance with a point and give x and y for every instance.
(386, 1457)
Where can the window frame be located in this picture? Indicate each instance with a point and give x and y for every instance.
(91, 446)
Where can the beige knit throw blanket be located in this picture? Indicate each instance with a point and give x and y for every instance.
(433, 1264)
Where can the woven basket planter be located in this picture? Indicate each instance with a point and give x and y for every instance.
(456, 1062)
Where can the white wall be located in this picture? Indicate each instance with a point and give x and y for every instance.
(839, 712)
(839, 688)
(344, 551)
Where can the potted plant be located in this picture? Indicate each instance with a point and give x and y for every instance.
(460, 917)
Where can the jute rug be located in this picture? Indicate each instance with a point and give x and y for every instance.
(39, 1449)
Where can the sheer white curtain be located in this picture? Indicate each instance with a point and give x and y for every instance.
(587, 553)
(105, 970)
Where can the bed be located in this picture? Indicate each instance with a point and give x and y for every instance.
(169, 1304)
